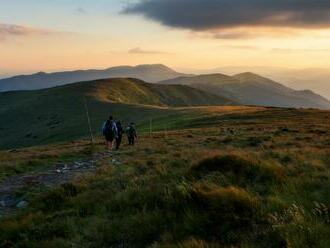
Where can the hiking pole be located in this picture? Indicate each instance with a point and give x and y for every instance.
(165, 131)
(89, 122)
(150, 127)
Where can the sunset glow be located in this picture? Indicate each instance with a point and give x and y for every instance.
(65, 35)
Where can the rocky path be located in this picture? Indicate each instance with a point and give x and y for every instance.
(11, 197)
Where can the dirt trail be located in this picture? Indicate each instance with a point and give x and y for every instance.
(11, 201)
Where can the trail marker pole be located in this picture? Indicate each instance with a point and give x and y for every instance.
(150, 128)
(165, 131)
(89, 121)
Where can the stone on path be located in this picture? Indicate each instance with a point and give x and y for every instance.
(63, 172)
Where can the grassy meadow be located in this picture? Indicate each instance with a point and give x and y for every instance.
(47, 116)
(226, 178)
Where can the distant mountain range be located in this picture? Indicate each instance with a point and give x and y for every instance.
(315, 79)
(243, 88)
(252, 89)
(58, 114)
(41, 80)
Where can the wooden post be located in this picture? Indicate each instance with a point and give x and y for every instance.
(89, 122)
(150, 127)
(165, 131)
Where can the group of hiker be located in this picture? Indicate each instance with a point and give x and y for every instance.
(113, 132)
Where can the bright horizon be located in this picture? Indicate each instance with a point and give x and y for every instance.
(70, 34)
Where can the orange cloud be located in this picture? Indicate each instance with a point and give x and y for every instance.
(11, 30)
(138, 50)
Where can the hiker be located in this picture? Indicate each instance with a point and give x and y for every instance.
(131, 134)
(119, 134)
(110, 132)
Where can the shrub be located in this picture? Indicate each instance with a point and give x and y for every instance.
(226, 211)
(189, 243)
(57, 198)
(242, 171)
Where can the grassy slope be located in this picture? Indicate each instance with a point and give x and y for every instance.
(245, 179)
(58, 114)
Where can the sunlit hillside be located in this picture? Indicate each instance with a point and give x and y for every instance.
(234, 177)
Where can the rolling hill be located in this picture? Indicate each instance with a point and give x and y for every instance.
(41, 80)
(315, 79)
(58, 114)
(252, 89)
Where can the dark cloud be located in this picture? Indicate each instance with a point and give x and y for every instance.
(138, 50)
(216, 14)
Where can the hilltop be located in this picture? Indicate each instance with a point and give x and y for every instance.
(252, 89)
(244, 88)
(315, 79)
(41, 80)
(57, 114)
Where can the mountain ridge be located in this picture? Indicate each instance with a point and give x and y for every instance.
(252, 89)
(40, 80)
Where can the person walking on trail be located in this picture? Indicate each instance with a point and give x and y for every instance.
(119, 134)
(110, 132)
(131, 134)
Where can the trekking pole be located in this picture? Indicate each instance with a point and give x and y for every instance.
(165, 131)
(150, 127)
(89, 122)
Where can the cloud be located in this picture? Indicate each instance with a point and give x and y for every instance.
(16, 30)
(201, 15)
(300, 50)
(81, 10)
(240, 47)
(138, 50)
(247, 33)
(10, 30)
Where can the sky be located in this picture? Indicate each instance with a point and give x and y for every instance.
(56, 35)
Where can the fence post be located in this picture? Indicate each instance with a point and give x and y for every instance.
(165, 131)
(89, 122)
(150, 127)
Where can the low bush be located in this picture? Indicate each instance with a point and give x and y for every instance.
(57, 198)
(225, 210)
(241, 171)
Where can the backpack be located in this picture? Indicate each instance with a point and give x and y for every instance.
(108, 129)
(119, 129)
(130, 131)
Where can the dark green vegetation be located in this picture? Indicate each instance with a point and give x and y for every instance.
(252, 89)
(58, 114)
(238, 178)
